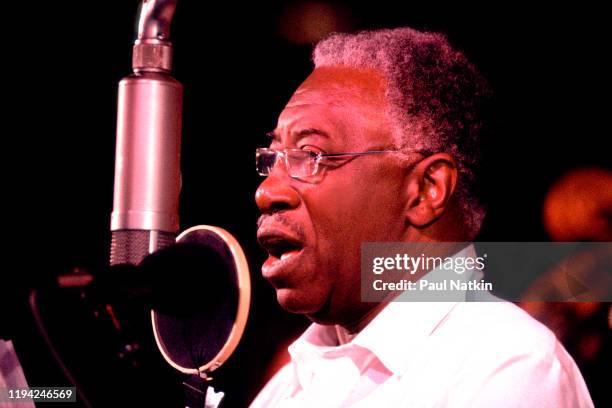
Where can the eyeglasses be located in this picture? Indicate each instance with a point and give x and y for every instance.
(300, 163)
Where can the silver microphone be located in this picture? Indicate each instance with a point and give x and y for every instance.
(147, 158)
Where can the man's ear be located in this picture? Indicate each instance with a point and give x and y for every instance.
(431, 184)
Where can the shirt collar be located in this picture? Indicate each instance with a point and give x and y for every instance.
(401, 325)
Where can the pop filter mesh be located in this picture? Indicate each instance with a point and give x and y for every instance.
(195, 288)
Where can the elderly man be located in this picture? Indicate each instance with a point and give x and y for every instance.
(380, 144)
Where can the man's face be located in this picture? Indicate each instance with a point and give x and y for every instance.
(313, 228)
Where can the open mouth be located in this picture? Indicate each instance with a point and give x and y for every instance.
(283, 251)
(280, 247)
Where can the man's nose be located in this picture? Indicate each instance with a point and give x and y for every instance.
(275, 194)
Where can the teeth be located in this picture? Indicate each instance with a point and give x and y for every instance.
(286, 255)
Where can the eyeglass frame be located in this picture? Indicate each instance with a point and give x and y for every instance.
(317, 157)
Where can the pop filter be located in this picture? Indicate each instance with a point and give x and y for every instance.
(200, 314)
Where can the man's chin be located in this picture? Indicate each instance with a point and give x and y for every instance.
(317, 310)
(296, 301)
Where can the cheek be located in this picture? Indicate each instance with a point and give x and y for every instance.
(358, 208)
(347, 213)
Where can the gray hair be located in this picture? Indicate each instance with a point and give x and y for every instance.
(435, 96)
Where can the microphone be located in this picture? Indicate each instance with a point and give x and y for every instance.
(147, 158)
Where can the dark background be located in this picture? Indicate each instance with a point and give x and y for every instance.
(548, 67)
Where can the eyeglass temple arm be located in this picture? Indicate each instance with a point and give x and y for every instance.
(357, 154)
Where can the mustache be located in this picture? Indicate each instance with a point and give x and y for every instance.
(282, 219)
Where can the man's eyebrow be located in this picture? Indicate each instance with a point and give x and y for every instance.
(311, 131)
(299, 134)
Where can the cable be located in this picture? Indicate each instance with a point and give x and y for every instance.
(33, 300)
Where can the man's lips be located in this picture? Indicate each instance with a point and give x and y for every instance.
(283, 249)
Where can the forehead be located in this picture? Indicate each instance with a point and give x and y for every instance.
(339, 102)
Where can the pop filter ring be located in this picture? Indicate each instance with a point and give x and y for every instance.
(244, 298)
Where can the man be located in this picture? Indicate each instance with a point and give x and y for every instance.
(380, 144)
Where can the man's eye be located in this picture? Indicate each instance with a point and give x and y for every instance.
(313, 149)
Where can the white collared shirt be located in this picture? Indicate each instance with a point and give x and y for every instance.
(432, 354)
(417, 354)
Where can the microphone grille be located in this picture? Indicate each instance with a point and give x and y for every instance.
(131, 246)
